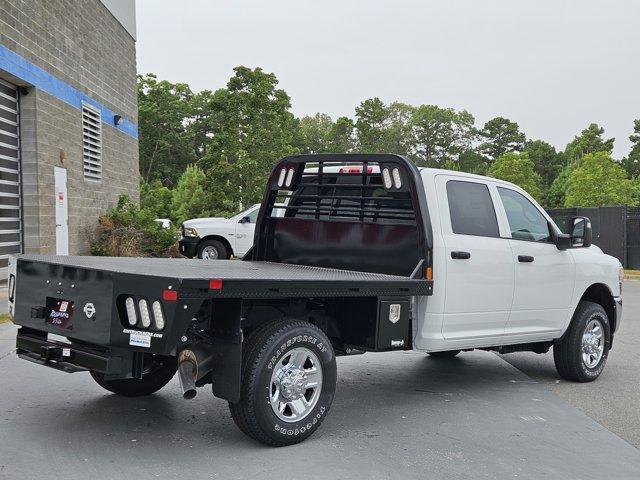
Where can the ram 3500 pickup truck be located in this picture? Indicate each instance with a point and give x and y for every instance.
(219, 238)
(377, 255)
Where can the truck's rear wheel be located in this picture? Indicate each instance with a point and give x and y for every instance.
(158, 371)
(581, 354)
(212, 250)
(288, 383)
(445, 354)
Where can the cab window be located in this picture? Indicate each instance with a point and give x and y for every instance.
(471, 209)
(526, 222)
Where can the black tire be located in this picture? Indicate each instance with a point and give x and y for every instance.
(159, 372)
(220, 248)
(445, 354)
(263, 349)
(567, 351)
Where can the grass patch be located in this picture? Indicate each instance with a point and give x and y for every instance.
(5, 317)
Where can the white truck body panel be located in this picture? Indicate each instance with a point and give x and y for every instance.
(493, 298)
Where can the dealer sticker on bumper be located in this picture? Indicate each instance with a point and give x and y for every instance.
(139, 339)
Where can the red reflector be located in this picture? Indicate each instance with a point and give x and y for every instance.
(215, 284)
(170, 295)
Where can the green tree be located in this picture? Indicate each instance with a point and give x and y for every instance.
(547, 161)
(554, 197)
(599, 180)
(471, 161)
(499, 136)
(164, 140)
(631, 163)
(383, 129)
(190, 198)
(342, 136)
(252, 129)
(517, 168)
(590, 140)
(156, 198)
(313, 134)
(441, 134)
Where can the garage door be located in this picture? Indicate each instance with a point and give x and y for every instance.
(10, 213)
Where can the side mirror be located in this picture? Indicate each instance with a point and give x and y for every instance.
(245, 220)
(581, 234)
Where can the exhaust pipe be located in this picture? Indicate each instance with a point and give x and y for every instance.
(193, 364)
(187, 374)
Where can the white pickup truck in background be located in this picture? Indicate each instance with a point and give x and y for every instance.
(219, 238)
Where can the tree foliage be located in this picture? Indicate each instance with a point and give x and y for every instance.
(518, 168)
(208, 153)
(165, 141)
(499, 136)
(631, 163)
(590, 140)
(599, 180)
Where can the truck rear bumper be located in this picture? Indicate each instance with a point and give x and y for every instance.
(58, 355)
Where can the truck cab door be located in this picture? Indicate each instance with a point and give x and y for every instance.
(244, 230)
(544, 275)
(479, 264)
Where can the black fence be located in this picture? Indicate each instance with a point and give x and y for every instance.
(616, 230)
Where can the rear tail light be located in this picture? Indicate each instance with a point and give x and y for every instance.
(289, 178)
(283, 173)
(145, 317)
(158, 317)
(386, 178)
(132, 317)
(397, 181)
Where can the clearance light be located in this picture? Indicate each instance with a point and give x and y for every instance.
(130, 305)
(145, 318)
(158, 317)
(170, 295)
(289, 179)
(428, 273)
(386, 178)
(215, 284)
(397, 181)
(283, 172)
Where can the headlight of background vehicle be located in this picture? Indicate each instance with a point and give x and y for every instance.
(190, 232)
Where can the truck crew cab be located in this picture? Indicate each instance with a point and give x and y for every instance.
(376, 255)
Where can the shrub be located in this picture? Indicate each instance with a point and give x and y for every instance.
(128, 231)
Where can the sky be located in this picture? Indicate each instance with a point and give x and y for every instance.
(553, 66)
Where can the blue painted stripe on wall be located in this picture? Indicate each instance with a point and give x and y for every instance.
(20, 67)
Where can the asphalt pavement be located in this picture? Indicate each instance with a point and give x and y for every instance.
(398, 415)
(613, 400)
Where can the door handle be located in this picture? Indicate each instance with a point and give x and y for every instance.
(525, 258)
(461, 255)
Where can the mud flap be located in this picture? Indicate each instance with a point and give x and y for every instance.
(227, 345)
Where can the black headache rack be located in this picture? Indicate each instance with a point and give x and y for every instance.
(360, 212)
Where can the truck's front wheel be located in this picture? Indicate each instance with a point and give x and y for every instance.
(158, 371)
(288, 382)
(581, 354)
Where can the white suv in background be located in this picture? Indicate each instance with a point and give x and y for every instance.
(219, 238)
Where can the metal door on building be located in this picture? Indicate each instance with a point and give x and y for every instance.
(62, 211)
(10, 201)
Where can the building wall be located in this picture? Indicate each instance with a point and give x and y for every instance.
(83, 46)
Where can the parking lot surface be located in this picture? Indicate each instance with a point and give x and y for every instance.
(395, 415)
(614, 399)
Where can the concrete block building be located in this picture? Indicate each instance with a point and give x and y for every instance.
(68, 120)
